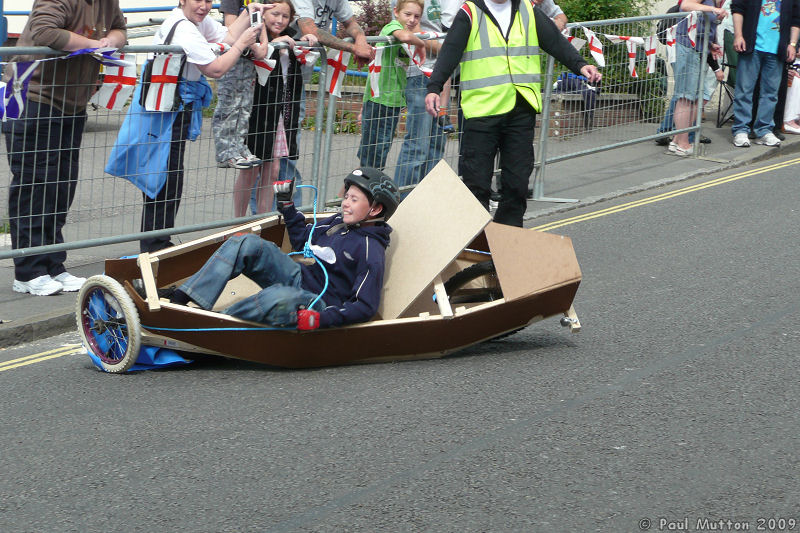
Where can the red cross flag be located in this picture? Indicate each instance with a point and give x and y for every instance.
(219, 48)
(595, 47)
(671, 44)
(375, 71)
(264, 66)
(650, 53)
(577, 42)
(692, 29)
(163, 82)
(306, 56)
(337, 68)
(631, 44)
(118, 85)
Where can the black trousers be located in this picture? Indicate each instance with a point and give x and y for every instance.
(160, 212)
(512, 135)
(43, 148)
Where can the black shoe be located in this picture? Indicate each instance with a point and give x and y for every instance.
(752, 135)
(663, 141)
(166, 292)
(705, 140)
(779, 134)
(529, 196)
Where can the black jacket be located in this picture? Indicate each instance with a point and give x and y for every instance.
(750, 9)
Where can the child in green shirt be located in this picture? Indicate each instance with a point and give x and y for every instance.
(384, 100)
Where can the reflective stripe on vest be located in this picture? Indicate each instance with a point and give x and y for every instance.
(493, 70)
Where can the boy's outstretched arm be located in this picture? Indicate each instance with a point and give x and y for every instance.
(408, 37)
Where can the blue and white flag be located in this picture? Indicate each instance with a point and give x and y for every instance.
(15, 91)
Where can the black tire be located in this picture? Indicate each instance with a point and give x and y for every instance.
(484, 290)
(108, 323)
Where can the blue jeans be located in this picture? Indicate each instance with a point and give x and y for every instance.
(747, 71)
(263, 262)
(424, 142)
(378, 124)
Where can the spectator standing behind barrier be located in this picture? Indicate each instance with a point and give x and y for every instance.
(765, 36)
(235, 98)
(380, 114)
(43, 144)
(145, 133)
(497, 44)
(688, 64)
(424, 142)
(275, 119)
(315, 16)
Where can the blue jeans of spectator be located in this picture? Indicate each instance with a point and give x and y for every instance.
(263, 262)
(424, 142)
(747, 71)
(668, 124)
(378, 124)
(42, 146)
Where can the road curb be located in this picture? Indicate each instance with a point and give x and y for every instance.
(41, 326)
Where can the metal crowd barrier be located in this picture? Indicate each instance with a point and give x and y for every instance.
(107, 209)
(624, 110)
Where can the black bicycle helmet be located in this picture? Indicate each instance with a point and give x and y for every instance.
(377, 184)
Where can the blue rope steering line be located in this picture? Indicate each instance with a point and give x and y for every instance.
(307, 252)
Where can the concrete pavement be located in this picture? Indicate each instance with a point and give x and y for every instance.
(589, 179)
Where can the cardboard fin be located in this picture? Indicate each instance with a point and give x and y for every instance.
(528, 262)
(431, 227)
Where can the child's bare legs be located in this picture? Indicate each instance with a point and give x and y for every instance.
(242, 189)
(269, 175)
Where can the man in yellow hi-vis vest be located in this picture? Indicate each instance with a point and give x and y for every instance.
(497, 44)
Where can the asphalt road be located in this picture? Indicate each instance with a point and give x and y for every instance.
(678, 401)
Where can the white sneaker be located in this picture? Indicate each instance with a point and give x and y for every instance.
(741, 140)
(41, 286)
(69, 282)
(769, 140)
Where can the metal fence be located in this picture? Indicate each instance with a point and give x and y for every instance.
(108, 209)
(627, 107)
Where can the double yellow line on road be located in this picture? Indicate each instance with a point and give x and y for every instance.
(69, 349)
(665, 196)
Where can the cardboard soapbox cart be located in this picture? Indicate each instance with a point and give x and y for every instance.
(453, 279)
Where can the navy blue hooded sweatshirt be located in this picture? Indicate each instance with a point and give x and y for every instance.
(354, 258)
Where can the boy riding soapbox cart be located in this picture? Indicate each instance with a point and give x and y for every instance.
(453, 279)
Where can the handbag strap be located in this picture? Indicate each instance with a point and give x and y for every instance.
(168, 40)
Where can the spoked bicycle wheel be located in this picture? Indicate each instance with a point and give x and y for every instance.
(108, 323)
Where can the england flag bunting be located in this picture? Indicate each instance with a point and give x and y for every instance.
(671, 44)
(631, 44)
(306, 56)
(692, 31)
(15, 91)
(118, 84)
(374, 72)
(595, 47)
(337, 68)
(577, 42)
(416, 58)
(650, 53)
(163, 82)
(264, 67)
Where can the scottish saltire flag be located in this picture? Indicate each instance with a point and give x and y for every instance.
(15, 91)
(118, 84)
